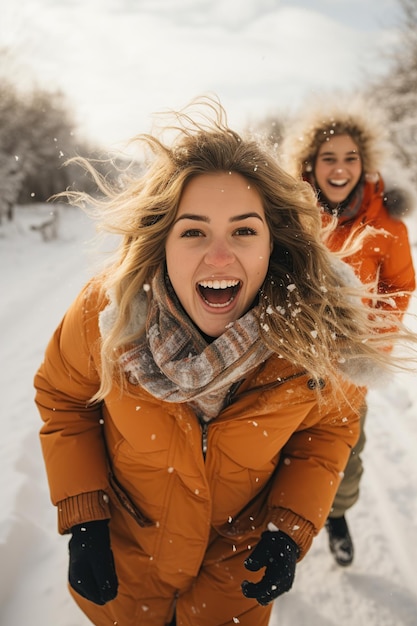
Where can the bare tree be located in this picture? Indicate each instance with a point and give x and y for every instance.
(37, 136)
(397, 90)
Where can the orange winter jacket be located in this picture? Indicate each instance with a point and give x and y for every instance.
(275, 453)
(385, 255)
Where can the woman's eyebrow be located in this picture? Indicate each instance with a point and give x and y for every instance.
(192, 216)
(204, 218)
(330, 153)
(246, 216)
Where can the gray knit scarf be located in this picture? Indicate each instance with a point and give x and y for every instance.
(175, 363)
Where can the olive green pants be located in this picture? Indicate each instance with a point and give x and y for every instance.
(348, 491)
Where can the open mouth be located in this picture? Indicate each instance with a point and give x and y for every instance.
(219, 293)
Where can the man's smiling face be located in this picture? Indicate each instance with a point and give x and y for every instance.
(218, 250)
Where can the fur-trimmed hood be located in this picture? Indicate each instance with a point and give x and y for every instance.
(399, 197)
(325, 117)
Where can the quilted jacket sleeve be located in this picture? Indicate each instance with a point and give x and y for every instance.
(397, 270)
(312, 464)
(71, 436)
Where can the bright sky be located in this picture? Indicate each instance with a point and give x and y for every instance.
(119, 61)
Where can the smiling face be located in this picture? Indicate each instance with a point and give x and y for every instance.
(338, 168)
(218, 249)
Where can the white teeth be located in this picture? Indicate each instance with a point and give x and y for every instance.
(339, 183)
(219, 306)
(218, 284)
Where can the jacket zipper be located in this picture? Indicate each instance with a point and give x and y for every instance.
(204, 425)
(229, 399)
(204, 437)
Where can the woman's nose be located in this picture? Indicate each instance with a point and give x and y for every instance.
(219, 255)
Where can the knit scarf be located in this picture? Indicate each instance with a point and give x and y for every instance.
(175, 363)
(347, 209)
(350, 207)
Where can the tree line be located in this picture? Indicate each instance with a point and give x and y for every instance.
(396, 91)
(36, 138)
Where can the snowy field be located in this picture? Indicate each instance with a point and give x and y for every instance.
(38, 281)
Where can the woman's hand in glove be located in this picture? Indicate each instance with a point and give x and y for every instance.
(91, 565)
(278, 553)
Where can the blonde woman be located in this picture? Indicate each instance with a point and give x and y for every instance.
(200, 397)
(340, 147)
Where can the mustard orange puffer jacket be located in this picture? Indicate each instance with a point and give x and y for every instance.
(386, 255)
(276, 453)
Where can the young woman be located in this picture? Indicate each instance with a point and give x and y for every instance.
(340, 148)
(197, 402)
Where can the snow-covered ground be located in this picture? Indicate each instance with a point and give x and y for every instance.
(38, 281)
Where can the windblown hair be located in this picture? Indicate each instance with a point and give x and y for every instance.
(310, 314)
(330, 116)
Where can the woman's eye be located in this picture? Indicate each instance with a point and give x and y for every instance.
(192, 232)
(245, 231)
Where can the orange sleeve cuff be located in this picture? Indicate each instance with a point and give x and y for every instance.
(299, 529)
(86, 507)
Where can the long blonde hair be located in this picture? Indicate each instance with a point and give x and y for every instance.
(310, 315)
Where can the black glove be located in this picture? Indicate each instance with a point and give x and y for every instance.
(278, 553)
(91, 565)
